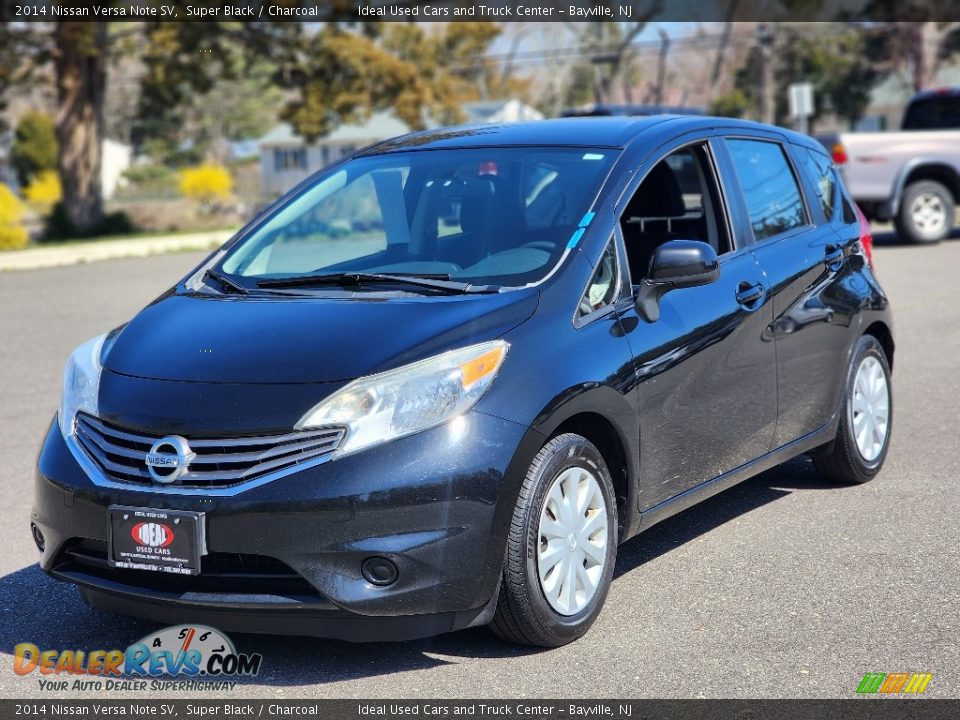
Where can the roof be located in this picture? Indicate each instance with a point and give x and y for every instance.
(949, 90)
(594, 131)
(614, 131)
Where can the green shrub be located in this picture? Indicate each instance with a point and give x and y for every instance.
(734, 104)
(151, 176)
(34, 146)
(59, 226)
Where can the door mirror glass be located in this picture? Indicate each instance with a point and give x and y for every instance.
(676, 264)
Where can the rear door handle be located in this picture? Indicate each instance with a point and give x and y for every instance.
(834, 257)
(749, 296)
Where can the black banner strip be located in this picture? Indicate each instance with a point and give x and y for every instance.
(854, 709)
(472, 10)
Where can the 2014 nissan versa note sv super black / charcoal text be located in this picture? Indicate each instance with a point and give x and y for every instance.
(441, 381)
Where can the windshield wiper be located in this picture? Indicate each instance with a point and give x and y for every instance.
(436, 281)
(225, 281)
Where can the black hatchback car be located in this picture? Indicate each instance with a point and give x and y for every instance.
(438, 383)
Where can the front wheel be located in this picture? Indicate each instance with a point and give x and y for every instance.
(927, 212)
(863, 437)
(561, 548)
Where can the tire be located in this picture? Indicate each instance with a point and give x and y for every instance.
(927, 212)
(525, 613)
(843, 460)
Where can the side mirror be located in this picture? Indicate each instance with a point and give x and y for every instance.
(676, 264)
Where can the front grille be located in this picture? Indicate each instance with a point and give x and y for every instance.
(225, 573)
(219, 462)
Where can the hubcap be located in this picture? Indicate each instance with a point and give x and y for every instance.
(871, 408)
(572, 541)
(929, 213)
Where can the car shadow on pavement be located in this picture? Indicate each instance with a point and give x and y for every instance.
(674, 532)
(50, 614)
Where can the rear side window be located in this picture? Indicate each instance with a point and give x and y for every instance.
(819, 168)
(770, 190)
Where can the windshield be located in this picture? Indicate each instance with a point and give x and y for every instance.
(480, 215)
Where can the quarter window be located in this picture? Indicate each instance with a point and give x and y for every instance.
(603, 285)
(770, 190)
(849, 214)
(820, 169)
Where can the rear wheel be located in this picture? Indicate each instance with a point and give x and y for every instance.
(927, 212)
(863, 437)
(561, 549)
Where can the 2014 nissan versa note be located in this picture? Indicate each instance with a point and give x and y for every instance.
(439, 382)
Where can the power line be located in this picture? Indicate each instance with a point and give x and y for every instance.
(689, 43)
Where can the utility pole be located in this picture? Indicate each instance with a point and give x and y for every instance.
(767, 94)
(661, 65)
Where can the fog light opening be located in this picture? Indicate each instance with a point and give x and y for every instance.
(379, 571)
(38, 537)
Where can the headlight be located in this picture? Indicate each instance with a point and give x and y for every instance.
(81, 381)
(409, 399)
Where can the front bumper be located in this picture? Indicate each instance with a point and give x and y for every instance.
(437, 504)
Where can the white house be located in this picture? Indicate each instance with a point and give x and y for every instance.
(115, 158)
(285, 159)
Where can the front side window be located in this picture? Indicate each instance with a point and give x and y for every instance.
(486, 215)
(677, 200)
(770, 190)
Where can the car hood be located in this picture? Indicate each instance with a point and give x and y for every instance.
(226, 339)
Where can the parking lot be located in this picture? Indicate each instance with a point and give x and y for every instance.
(781, 587)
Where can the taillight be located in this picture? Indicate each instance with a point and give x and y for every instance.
(839, 154)
(866, 238)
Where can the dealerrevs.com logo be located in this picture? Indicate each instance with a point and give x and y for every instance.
(894, 683)
(201, 657)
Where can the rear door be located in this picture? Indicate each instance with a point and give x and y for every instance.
(706, 373)
(792, 198)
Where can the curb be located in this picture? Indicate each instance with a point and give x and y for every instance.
(80, 252)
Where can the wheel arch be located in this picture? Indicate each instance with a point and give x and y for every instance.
(881, 331)
(603, 434)
(928, 169)
(940, 172)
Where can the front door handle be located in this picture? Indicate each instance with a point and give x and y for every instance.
(834, 257)
(750, 296)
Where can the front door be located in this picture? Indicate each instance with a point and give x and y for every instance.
(706, 369)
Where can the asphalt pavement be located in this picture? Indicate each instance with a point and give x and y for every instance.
(784, 586)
